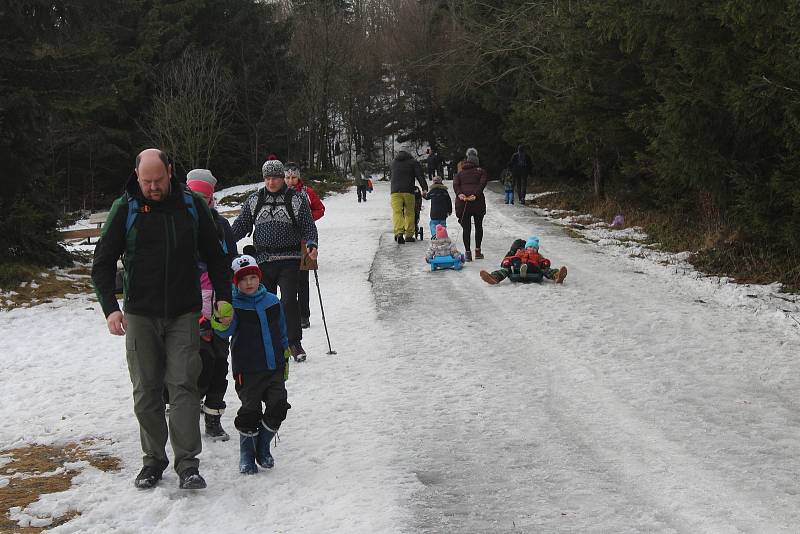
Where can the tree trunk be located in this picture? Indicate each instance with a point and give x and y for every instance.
(599, 182)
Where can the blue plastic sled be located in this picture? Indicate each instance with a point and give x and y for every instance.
(445, 262)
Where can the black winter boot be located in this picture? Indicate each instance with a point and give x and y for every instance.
(148, 477)
(190, 479)
(214, 428)
(298, 352)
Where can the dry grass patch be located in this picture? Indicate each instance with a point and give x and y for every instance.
(38, 469)
(45, 286)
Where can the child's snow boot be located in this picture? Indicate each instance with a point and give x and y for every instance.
(214, 428)
(298, 352)
(247, 453)
(560, 275)
(489, 278)
(478, 255)
(468, 255)
(263, 455)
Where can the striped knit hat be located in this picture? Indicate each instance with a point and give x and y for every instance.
(272, 167)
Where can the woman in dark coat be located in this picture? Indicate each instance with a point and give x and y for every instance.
(470, 203)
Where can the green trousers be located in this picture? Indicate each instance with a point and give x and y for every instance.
(505, 272)
(403, 214)
(165, 353)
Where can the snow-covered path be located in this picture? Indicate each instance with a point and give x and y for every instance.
(618, 402)
(614, 403)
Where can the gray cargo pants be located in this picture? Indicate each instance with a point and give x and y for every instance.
(165, 353)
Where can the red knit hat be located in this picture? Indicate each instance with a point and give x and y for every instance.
(244, 265)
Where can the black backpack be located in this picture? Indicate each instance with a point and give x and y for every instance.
(287, 201)
(521, 162)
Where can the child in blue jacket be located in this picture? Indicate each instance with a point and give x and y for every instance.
(260, 361)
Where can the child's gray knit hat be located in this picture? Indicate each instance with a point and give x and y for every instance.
(201, 175)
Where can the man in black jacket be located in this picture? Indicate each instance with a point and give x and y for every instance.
(434, 164)
(404, 170)
(520, 167)
(160, 229)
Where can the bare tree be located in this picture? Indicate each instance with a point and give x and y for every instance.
(192, 102)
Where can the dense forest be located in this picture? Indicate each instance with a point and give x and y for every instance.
(690, 108)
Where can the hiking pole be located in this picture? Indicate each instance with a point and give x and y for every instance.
(324, 323)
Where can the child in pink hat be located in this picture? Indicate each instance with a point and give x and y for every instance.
(213, 381)
(442, 246)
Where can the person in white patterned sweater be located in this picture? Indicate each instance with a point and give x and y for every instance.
(279, 219)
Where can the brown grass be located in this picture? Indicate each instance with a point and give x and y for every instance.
(31, 474)
(45, 289)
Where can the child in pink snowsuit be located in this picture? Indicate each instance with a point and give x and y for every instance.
(213, 382)
(442, 246)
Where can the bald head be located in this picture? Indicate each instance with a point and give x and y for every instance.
(148, 154)
(153, 173)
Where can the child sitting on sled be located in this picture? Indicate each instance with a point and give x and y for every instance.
(442, 247)
(523, 263)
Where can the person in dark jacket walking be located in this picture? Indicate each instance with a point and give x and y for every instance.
(434, 163)
(213, 382)
(279, 219)
(471, 203)
(520, 167)
(160, 228)
(405, 169)
(441, 204)
(361, 176)
(260, 355)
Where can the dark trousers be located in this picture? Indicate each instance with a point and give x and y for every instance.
(466, 224)
(213, 381)
(302, 294)
(164, 354)
(253, 389)
(361, 191)
(521, 186)
(284, 274)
